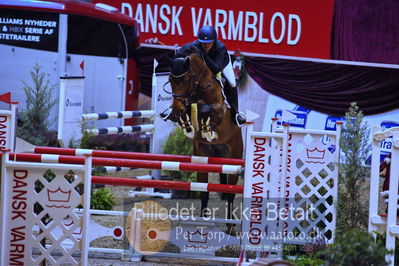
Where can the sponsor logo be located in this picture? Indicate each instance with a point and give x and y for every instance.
(161, 98)
(298, 118)
(386, 144)
(70, 103)
(331, 122)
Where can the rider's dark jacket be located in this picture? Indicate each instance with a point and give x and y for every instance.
(217, 58)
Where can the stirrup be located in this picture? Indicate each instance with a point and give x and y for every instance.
(240, 119)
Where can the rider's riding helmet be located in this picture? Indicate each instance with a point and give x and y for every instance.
(207, 34)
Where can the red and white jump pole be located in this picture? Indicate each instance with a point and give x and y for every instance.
(162, 165)
(175, 185)
(138, 155)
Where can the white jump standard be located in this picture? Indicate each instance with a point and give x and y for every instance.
(376, 220)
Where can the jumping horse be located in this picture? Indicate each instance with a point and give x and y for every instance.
(199, 107)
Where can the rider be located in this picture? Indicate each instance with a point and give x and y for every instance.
(218, 60)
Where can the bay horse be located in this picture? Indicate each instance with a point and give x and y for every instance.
(201, 111)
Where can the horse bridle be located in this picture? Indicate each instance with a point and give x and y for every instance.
(193, 83)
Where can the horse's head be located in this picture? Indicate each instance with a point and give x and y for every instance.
(194, 86)
(182, 82)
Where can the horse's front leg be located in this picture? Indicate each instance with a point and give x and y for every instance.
(210, 119)
(186, 125)
(203, 178)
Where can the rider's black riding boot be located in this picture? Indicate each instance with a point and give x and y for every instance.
(232, 99)
(167, 114)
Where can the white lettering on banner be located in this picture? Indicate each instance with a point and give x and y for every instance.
(235, 28)
(15, 37)
(10, 32)
(261, 39)
(272, 27)
(151, 18)
(250, 26)
(148, 18)
(127, 6)
(292, 17)
(34, 30)
(176, 21)
(49, 31)
(196, 20)
(17, 21)
(164, 8)
(245, 26)
(40, 23)
(139, 17)
(221, 22)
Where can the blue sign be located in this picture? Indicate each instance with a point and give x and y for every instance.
(331, 122)
(302, 109)
(388, 124)
(386, 144)
(298, 121)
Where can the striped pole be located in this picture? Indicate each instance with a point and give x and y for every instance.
(162, 165)
(138, 155)
(115, 115)
(119, 130)
(112, 169)
(190, 186)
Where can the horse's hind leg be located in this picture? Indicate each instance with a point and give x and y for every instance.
(202, 178)
(235, 151)
(231, 180)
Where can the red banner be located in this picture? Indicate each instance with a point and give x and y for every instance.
(285, 27)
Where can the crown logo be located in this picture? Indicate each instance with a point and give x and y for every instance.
(315, 155)
(78, 231)
(197, 237)
(57, 197)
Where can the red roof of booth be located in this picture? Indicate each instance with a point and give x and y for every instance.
(74, 7)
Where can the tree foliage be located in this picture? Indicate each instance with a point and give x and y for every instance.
(33, 124)
(355, 148)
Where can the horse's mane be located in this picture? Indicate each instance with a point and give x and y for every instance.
(189, 49)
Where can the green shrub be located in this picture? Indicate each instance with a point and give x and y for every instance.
(33, 123)
(356, 247)
(102, 199)
(178, 144)
(304, 260)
